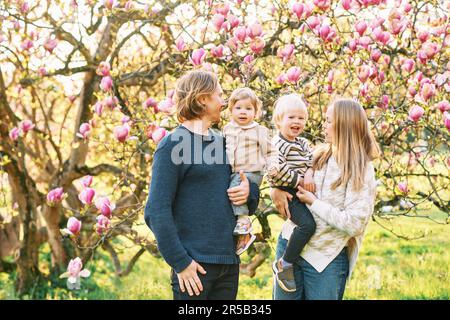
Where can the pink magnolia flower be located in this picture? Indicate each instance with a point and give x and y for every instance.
(447, 120)
(423, 36)
(197, 57)
(74, 272)
(298, 9)
(73, 227)
(84, 130)
(50, 45)
(14, 134)
(422, 56)
(403, 187)
(407, 8)
(415, 113)
(364, 72)
(86, 181)
(98, 108)
(286, 52)
(364, 42)
(240, 33)
(281, 78)
(121, 132)
(326, 33)
(293, 74)
(180, 44)
(218, 21)
(150, 103)
(105, 206)
(158, 134)
(257, 45)
(166, 106)
(86, 196)
(106, 83)
(375, 55)
(384, 102)
(313, 22)
(248, 59)
(427, 91)
(110, 4)
(223, 9)
(103, 69)
(408, 65)
(381, 36)
(233, 21)
(232, 43)
(24, 8)
(26, 125)
(352, 44)
(217, 52)
(42, 72)
(430, 49)
(26, 45)
(55, 195)
(346, 4)
(111, 102)
(322, 4)
(103, 224)
(443, 106)
(361, 27)
(255, 30)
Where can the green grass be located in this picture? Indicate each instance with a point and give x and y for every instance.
(388, 268)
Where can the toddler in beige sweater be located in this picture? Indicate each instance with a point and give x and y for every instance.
(249, 148)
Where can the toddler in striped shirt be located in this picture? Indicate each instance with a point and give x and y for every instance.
(295, 167)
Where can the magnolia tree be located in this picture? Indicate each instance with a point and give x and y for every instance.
(86, 95)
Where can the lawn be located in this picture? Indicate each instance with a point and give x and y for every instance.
(388, 268)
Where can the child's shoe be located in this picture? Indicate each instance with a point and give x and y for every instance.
(244, 242)
(285, 276)
(243, 226)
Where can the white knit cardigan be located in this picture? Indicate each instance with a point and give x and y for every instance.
(341, 217)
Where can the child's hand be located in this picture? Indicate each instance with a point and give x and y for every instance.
(273, 171)
(309, 184)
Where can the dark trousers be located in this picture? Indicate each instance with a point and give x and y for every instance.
(219, 283)
(306, 226)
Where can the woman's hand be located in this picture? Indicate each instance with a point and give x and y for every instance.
(309, 184)
(305, 196)
(189, 279)
(280, 199)
(238, 195)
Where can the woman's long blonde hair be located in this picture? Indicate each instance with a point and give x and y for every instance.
(353, 143)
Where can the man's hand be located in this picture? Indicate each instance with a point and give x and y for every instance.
(305, 196)
(280, 199)
(309, 184)
(238, 195)
(189, 279)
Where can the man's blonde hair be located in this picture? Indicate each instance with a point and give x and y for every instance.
(285, 103)
(189, 88)
(245, 93)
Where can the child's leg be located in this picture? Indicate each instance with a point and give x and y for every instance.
(306, 226)
(241, 210)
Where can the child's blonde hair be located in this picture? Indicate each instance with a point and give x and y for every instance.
(284, 103)
(245, 93)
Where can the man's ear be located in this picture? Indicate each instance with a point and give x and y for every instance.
(202, 99)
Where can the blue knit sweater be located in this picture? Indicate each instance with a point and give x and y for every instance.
(188, 208)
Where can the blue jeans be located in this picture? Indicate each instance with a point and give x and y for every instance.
(311, 284)
(255, 177)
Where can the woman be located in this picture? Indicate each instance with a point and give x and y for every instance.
(344, 201)
(188, 207)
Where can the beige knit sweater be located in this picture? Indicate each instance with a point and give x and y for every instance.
(341, 217)
(249, 148)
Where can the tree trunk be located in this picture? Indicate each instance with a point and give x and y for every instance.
(52, 216)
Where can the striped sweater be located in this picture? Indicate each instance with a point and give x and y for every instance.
(294, 159)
